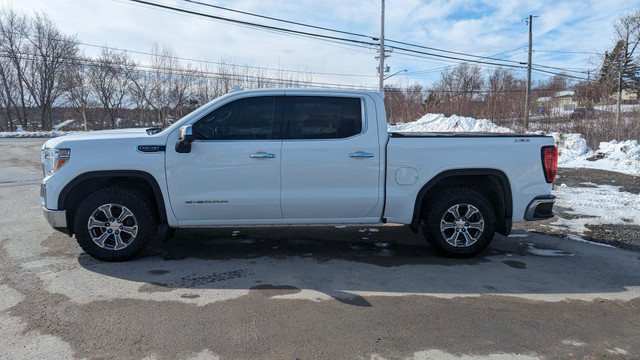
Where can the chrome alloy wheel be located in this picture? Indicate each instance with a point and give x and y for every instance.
(462, 225)
(112, 226)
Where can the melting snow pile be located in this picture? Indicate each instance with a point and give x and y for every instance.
(623, 156)
(602, 204)
(453, 123)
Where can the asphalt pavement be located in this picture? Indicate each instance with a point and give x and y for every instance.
(304, 292)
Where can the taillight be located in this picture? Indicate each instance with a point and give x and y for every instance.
(549, 162)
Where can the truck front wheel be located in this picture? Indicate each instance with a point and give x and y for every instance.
(114, 224)
(459, 223)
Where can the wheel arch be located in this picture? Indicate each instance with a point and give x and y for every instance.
(489, 182)
(88, 182)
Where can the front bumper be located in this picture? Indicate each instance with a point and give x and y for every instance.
(56, 218)
(540, 208)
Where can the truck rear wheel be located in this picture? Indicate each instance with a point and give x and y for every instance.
(459, 223)
(114, 224)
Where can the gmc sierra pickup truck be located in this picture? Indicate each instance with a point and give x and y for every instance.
(281, 157)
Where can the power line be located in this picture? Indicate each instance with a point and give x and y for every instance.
(491, 57)
(166, 7)
(77, 42)
(569, 52)
(281, 20)
(221, 18)
(559, 74)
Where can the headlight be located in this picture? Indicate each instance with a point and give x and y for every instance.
(54, 159)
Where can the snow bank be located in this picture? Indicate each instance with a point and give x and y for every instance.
(623, 157)
(602, 204)
(570, 147)
(34, 134)
(453, 123)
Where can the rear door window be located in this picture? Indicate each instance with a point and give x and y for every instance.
(322, 117)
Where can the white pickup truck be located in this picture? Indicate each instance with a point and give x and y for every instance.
(281, 157)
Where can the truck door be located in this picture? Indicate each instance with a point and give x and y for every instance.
(330, 160)
(233, 169)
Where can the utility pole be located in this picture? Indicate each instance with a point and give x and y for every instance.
(527, 94)
(382, 53)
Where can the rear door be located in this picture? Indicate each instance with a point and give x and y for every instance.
(330, 160)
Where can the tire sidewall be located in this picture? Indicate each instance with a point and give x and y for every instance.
(147, 224)
(444, 203)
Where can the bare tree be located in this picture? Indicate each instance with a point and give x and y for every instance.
(110, 78)
(13, 27)
(458, 89)
(49, 54)
(77, 86)
(627, 30)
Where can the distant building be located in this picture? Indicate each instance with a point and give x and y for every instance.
(627, 96)
(562, 101)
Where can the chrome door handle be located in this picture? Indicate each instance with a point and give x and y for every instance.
(361, 154)
(262, 155)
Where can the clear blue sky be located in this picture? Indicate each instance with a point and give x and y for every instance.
(477, 27)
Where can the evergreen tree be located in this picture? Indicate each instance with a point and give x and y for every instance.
(610, 70)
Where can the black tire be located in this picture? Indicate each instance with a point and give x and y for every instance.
(143, 216)
(438, 212)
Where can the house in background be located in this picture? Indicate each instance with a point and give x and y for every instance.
(628, 97)
(562, 102)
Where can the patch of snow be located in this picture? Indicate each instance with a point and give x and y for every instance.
(381, 245)
(623, 107)
(578, 238)
(453, 123)
(438, 354)
(564, 93)
(617, 351)
(340, 226)
(533, 250)
(604, 204)
(62, 124)
(372, 230)
(573, 342)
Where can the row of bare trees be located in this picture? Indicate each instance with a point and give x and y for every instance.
(46, 78)
(33, 55)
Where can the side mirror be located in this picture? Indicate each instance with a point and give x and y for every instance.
(185, 138)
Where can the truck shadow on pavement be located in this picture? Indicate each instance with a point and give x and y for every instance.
(348, 264)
